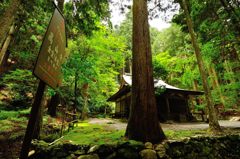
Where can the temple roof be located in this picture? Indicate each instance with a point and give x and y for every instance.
(127, 83)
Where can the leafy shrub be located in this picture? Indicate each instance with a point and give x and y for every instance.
(20, 85)
(8, 114)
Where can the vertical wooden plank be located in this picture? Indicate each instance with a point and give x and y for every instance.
(32, 120)
(168, 107)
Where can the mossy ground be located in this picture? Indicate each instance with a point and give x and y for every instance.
(86, 133)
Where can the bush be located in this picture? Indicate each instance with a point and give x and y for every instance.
(20, 87)
(8, 114)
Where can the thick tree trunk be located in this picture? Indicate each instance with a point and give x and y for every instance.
(7, 18)
(143, 124)
(213, 121)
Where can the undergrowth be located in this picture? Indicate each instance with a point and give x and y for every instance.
(86, 133)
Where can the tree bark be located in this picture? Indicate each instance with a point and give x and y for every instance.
(52, 106)
(39, 123)
(85, 104)
(213, 121)
(75, 90)
(3, 51)
(215, 83)
(7, 19)
(143, 124)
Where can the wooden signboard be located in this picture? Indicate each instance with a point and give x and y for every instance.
(52, 52)
(48, 69)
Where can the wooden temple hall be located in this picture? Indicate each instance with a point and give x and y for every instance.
(172, 104)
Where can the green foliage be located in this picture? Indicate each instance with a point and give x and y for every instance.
(95, 61)
(3, 5)
(20, 85)
(160, 90)
(14, 115)
(217, 27)
(32, 23)
(13, 123)
(8, 114)
(172, 40)
(85, 17)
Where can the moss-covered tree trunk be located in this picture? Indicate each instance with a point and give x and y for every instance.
(143, 124)
(213, 121)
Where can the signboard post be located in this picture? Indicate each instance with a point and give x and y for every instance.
(48, 69)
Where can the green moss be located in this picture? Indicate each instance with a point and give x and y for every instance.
(173, 134)
(7, 114)
(86, 133)
(6, 125)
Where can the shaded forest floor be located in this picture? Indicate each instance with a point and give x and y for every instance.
(119, 124)
(109, 131)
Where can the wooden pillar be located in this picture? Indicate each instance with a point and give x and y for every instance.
(32, 120)
(168, 107)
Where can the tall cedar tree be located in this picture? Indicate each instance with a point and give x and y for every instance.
(143, 124)
(213, 121)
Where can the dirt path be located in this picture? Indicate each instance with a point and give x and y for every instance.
(119, 125)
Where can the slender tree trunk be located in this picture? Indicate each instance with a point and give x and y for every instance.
(143, 124)
(75, 90)
(195, 85)
(229, 70)
(85, 104)
(213, 121)
(6, 43)
(7, 18)
(52, 106)
(3, 52)
(215, 83)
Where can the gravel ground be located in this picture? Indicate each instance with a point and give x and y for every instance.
(119, 125)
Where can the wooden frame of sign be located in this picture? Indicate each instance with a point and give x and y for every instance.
(48, 69)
